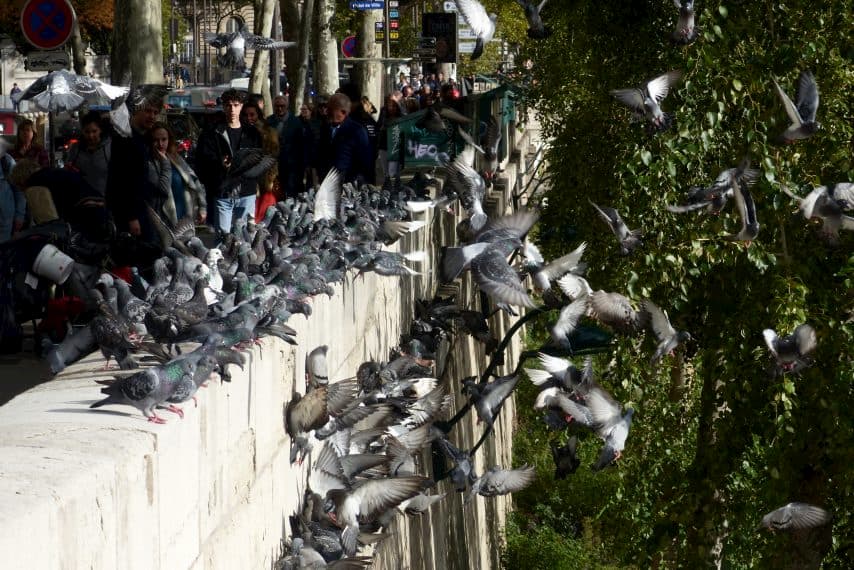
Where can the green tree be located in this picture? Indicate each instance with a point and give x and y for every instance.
(716, 440)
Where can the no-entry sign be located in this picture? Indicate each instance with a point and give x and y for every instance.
(47, 24)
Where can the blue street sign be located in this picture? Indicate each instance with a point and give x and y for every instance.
(367, 4)
(393, 14)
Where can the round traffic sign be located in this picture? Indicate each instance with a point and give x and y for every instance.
(47, 24)
(348, 46)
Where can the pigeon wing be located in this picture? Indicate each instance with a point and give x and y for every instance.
(796, 516)
(327, 196)
(568, 319)
(790, 108)
(807, 96)
(659, 322)
(805, 339)
(219, 40)
(603, 408)
(379, 495)
(566, 263)
(504, 481)
(261, 42)
(632, 97)
(476, 17)
(660, 86)
(498, 280)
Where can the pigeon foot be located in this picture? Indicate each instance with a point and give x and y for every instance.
(156, 419)
(176, 410)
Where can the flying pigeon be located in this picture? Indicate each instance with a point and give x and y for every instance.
(488, 397)
(327, 197)
(569, 317)
(713, 198)
(629, 239)
(792, 350)
(685, 32)
(746, 210)
(610, 424)
(536, 29)
(246, 164)
(499, 481)
(802, 115)
(827, 203)
(795, 516)
(481, 23)
(644, 100)
(616, 311)
(316, 369)
(565, 458)
(63, 90)
(666, 336)
(236, 44)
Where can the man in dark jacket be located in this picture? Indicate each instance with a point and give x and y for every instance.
(344, 144)
(217, 156)
(127, 187)
(361, 116)
(292, 146)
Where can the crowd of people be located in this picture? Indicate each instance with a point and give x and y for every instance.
(117, 193)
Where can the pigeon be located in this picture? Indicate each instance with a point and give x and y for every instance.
(803, 114)
(491, 140)
(148, 388)
(714, 197)
(542, 274)
(791, 352)
(565, 458)
(111, 332)
(616, 311)
(247, 164)
(827, 203)
(63, 90)
(686, 31)
(236, 44)
(327, 197)
(746, 211)
(310, 412)
(645, 100)
(367, 500)
(666, 336)
(795, 516)
(569, 317)
(629, 239)
(610, 424)
(499, 481)
(536, 29)
(462, 473)
(316, 372)
(489, 397)
(481, 23)
(435, 115)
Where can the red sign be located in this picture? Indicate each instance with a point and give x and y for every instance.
(348, 46)
(47, 24)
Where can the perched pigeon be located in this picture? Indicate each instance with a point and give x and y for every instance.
(792, 351)
(629, 239)
(666, 336)
(316, 371)
(236, 44)
(536, 29)
(148, 388)
(610, 424)
(802, 115)
(686, 31)
(499, 481)
(645, 100)
(795, 516)
(481, 23)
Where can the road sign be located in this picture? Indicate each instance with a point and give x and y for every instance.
(348, 46)
(394, 14)
(47, 60)
(392, 4)
(450, 6)
(379, 32)
(367, 4)
(47, 24)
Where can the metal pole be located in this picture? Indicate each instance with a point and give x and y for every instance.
(387, 41)
(275, 87)
(172, 64)
(196, 37)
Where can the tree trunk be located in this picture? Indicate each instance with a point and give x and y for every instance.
(137, 45)
(259, 81)
(326, 71)
(78, 51)
(369, 75)
(290, 10)
(299, 82)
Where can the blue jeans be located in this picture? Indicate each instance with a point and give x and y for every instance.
(229, 209)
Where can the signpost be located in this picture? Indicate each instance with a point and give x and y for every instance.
(47, 24)
(48, 60)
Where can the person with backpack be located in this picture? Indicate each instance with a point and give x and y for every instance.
(13, 205)
(91, 155)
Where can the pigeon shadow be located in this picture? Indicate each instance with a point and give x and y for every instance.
(89, 411)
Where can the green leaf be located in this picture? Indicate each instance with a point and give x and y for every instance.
(723, 10)
(736, 84)
(646, 157)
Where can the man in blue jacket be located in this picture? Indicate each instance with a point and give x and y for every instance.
(344, 144)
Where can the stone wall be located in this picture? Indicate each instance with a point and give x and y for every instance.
(104, 489)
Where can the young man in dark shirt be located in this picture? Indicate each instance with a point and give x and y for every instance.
(215, 156)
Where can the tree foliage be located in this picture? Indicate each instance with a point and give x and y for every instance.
(703, 464)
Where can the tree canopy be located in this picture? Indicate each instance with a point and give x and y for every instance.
(717, 441)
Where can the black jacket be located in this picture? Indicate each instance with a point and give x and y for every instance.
(212, 149)
(349, 151)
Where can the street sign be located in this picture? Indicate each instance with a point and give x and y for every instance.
(348, 46)
(367, 4)
(466, 47)
(394, 14)
(450, 6)
(392, 4)
(47, 24)
(48, 60)
(379, 32)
